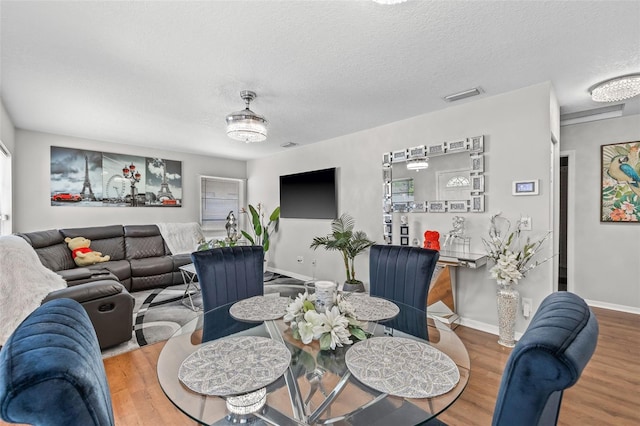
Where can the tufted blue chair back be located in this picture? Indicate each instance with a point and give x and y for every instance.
(51, 370)
(403, 274)
(228, 274)
(549, 358)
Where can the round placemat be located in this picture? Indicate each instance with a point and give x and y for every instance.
(402, 367)
(260, 308)
(234, 365)
(368, 308)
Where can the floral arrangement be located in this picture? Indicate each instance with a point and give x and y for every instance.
(332, 328)
(513, 258)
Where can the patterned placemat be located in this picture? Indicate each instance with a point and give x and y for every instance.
(234, 365)
(368, 308)
(260, 308)
(402, 367)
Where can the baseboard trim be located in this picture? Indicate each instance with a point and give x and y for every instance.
(613, 306)
(290, 274)
(483, 326)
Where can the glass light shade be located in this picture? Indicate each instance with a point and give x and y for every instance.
(418, 163)
(246, 126)
(616, 89)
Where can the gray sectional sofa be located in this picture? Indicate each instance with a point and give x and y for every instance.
(140, 259)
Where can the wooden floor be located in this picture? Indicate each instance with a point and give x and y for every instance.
(608, 393)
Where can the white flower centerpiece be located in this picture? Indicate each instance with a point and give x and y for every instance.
(333, 328)
(512, 258)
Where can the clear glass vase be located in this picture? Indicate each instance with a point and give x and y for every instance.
(508, 299)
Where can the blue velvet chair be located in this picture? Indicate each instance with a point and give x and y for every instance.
(549, 358)
(403, 274)
(227, 274)
(51, 370)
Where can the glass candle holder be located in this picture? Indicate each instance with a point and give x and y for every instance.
(325, 295)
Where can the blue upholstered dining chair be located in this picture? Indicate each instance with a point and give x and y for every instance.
(549, 358)
(51, 370)
(227, 274)
(403, 274)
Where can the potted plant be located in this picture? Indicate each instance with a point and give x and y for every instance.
(349, 243)
(261, 232)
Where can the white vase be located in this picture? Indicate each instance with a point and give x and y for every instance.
(508, 299)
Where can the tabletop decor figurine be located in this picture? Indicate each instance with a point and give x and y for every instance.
(512, 259)
(333, 328)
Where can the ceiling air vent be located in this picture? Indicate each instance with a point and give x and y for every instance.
(464, 94)
(289, 144)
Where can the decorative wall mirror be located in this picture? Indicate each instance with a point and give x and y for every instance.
(439, 178)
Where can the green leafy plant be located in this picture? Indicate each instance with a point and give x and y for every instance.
(348, 242)
(261, 233)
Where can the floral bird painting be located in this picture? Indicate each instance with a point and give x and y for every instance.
(620, 195)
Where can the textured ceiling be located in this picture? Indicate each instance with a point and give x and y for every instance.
(165, 74)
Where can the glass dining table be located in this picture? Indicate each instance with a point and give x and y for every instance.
(318, 386)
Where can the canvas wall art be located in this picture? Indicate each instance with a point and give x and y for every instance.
(92, 178)
(620, 189)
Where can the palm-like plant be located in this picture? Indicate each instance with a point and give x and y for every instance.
(348, 242)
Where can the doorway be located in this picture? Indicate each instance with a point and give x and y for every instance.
(563, 270)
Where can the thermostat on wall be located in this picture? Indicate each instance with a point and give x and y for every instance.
(525, 187)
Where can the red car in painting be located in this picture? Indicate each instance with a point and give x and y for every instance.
(65, 196)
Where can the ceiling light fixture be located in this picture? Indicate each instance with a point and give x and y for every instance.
(246, 125)
(418, 163)
(464, 94)
(616, 89)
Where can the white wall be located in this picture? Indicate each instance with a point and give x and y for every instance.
(32, 207)
(7, 136)
(517, 133)
(606, 256)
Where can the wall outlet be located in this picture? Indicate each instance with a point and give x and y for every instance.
(527, 306)
(525, 223)
(313, 262)
(300, 259)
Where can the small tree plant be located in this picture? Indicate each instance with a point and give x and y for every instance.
(348, 242)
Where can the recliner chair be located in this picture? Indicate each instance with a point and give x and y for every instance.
(51, 370)
(549, 358)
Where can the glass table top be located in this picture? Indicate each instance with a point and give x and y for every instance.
(318, 387)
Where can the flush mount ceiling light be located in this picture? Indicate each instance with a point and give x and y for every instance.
(418, 163)
(616, 89)
(246, 125)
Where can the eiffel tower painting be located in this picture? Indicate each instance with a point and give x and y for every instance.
(87, 183)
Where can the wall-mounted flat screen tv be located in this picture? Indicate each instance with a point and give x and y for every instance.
(309, 195)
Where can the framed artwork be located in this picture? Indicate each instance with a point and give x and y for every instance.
(404, 241)
(457, 206)
(620, 188)
(102, 179)
(404, 230)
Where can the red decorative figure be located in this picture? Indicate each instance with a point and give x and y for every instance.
(432, 240)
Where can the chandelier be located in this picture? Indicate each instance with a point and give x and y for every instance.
(418, 163)
(246, 125)
(616, 89)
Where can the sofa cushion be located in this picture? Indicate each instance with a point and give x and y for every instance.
(108, 240)
(143, 241)
(51, 249)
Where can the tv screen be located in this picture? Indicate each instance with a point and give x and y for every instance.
(309, 195)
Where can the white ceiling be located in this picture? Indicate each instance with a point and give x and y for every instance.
(165, 74)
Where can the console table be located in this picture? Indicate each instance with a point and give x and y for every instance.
(443, 283)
